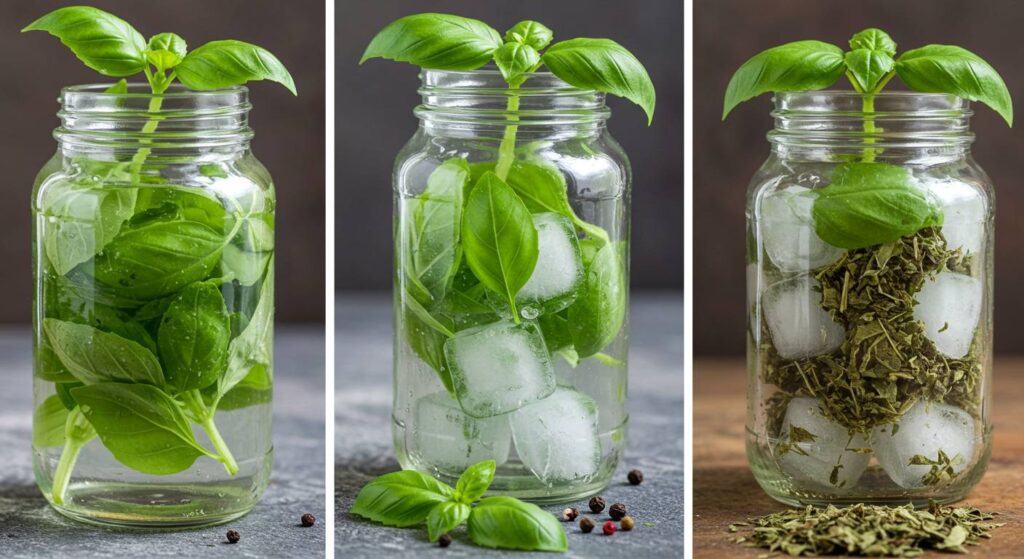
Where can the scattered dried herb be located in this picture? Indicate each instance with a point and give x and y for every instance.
(867, 530)
(943, 468)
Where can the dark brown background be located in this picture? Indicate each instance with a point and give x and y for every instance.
(289, 130)
(374, 120)
(726, 155)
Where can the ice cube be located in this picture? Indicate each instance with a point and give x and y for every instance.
(787, 229)
(834, 459)
(451, 441)
(924, 430)
(559, 271)
(799, 326)
(557, 438)
(964, 214)
(949, 305)
(499, 367)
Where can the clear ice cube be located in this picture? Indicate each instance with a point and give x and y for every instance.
(499, 367)
(798, 325)
(949, 305)
(924, 430)
(834, 460)
(964, 214)
(787, 229)
(451, 441)
(558, 275)
(557, 438)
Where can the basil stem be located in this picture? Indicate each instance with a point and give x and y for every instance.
(77, 433)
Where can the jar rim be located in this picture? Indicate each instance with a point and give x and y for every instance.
(176, 90)
(539, 82)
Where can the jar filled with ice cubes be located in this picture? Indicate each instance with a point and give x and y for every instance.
(511, 286)
(869, 274)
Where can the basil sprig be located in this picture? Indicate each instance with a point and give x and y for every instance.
(410, 498)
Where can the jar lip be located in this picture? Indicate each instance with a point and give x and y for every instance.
(489, 78)
(840, 93)
(175, 91)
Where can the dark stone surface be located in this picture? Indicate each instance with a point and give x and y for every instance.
(30, 528)
(363, 438)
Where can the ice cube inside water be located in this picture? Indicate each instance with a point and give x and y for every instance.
(559, 270)
(787, 229)
(834, 460)
(499, 367)
(557, 438)
(964, 214)
(949, 305)
(798, 325)
(451, 441)
(924, 430)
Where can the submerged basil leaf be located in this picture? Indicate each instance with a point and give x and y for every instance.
(48, 423)
(103, 41)
(254, 346)
(439, 41)
(81, 220)
(193, 339)
(400, 498)
(508, 523)
(958, 71)
(94, 356)
(433, 250)
(600, 310)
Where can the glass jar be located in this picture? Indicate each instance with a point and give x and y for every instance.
(153, 245)
(541, 389)
(870, 293)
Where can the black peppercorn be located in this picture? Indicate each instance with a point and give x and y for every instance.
(597, 504)
(636, 477)
(234, 536)
(444, 541)
(570, 514)
(617, 511)
(308, 520)
(586, 525)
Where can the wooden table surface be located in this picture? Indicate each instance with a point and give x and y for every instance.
(725, 491)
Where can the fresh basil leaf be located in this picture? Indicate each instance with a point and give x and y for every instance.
(473, 482)
(957, 71)
(600, 310)
(500, 241)
(604, 65)
(256, 388)
(166, 50)
(141, 426)
(875, 40)
(868, 67)
(120, 87)
(193, 339)
(79, 221)
(555, 327)
(796, 66)
(445, 517)
(432, 247)
(400, 498)
(48, 423)
(220, 64)
(254, 346)
(514, 60)
(103, 317)
(243, 266)
(508, 523)
(867, 204)
(530, 33)
(94, 356)
(439, 41)
(64, 393)
(158, 258)
(103, 41)
(426, 335)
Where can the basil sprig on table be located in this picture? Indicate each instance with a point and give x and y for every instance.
(870, 203)
(409, 498)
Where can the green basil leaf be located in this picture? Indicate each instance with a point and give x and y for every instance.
(220, 64)
(120, 87)
(500, 241)
(867, 204)
(48, 423)
(439, 41)
(600, 310)
(445, 517)
(514, 60)
(64, 393)
(426, 335)
(80, 221)
(256, 388)
(869, 67)
(103, 317)
(508, 523)
(957, 71)
(604, 65)
(158, 258)
(101, 40)
(555, 327)
(141, 426)
(875, 40)
(166, 50)
(473, 482)
(797, 66)
(431, 248)
(400, 498)
(254, 346)
(193, 338)
(530, 33)
(94, 356)
(243, 266)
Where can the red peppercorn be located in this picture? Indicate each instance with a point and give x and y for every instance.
(608, 528)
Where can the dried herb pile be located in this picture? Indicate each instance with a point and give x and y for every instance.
(867, 530)
(886, 362)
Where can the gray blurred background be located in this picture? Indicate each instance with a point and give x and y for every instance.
(726, 155)
(289, 130)
(374, 120)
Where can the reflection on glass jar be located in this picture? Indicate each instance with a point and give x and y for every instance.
(511, 286)
(870, 297)
(153, 262)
